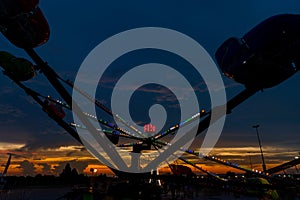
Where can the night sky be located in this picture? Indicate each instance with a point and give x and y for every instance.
(40, 146)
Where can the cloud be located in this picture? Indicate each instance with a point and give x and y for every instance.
(10, 146)
(46, 169)
(27, 168)
(7, 90)
(49, 139)
(241, 155)
(9, 110)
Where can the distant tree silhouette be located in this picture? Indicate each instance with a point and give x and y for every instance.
(74, 172)
(69, 175)
(67, 170)
(66, 175)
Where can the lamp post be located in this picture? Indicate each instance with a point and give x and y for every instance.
(261, 152)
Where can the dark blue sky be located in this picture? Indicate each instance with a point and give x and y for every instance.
(78, 26)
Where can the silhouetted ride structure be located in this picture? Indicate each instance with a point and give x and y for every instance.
(264, 57)
(284, 166)
(3, 174)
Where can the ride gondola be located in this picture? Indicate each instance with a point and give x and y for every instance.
(23, 23)
(20, 69)
(266, 55)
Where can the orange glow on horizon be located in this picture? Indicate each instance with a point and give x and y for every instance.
(14, 169)
(56, 158)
